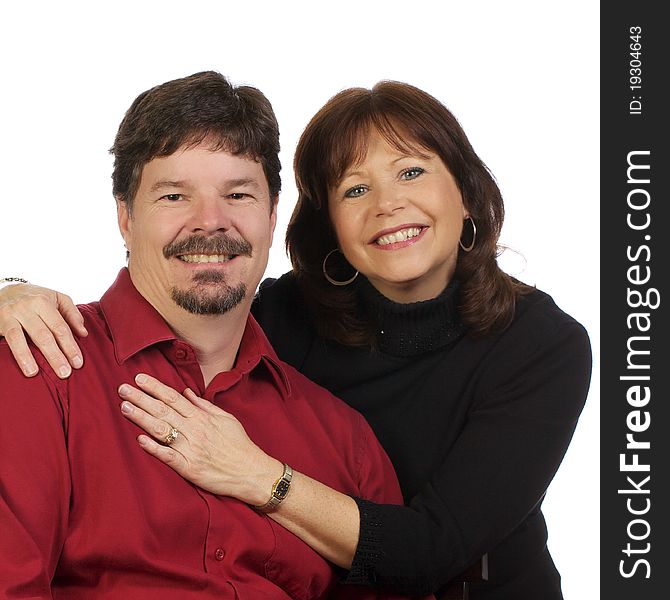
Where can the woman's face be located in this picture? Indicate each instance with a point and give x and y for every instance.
(398, 219)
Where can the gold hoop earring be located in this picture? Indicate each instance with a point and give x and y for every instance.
(471, 245)
(329, 278)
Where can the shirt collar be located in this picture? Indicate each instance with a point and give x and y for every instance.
(135, 325)
(406, 330)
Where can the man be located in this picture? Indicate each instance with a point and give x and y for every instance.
(84, 511)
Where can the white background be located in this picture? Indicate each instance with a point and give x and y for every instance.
(522, 78)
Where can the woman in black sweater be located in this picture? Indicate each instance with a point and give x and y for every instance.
(472, 381)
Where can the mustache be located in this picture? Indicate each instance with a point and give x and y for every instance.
(216, 244)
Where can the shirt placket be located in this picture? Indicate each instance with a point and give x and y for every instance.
(183, 358)
(225, 514)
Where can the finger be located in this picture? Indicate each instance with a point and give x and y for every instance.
(203, 404)
(64, 338)
(42, 336)
(156, 428)
(71, 314)
(150, 405)
(165, 454)
(28, 308)
(166, 394)
(16, 340)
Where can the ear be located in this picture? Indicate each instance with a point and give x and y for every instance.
(273, 218)
(125, 221)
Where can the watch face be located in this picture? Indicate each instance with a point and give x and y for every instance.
(282, 489)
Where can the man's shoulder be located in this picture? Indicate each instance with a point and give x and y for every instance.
(94, 321)
(96, 327)
(8, 364)
(91, 311)
(19, 390)
(97, 332)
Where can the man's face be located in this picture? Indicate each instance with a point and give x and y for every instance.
(199, 232)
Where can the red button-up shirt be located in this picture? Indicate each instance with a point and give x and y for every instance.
(86, 513)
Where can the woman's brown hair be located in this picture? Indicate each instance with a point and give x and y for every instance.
(412, 121)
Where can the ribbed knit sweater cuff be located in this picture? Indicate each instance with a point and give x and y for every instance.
(369, 545)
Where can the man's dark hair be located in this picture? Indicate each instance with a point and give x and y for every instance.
(188, 111)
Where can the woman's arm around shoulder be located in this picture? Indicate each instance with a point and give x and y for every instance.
(48, 318)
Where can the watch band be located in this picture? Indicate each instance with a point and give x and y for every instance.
(5, 281)
(280, 490)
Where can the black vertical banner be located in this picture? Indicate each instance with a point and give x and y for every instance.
(635, 336)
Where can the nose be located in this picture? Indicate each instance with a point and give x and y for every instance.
(209, 214)
(388, 199)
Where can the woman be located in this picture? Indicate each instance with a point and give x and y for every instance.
(472, 381)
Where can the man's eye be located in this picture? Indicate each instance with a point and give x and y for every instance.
(411, 173)
(355, 192)
(172, 197)
(237, 196)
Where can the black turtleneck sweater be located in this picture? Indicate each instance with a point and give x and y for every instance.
(476, 429)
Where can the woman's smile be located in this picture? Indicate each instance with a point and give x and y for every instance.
(400, 237)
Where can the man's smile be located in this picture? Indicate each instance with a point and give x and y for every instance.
(206, 258)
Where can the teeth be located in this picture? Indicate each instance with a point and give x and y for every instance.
(205, 258)
(399, 236)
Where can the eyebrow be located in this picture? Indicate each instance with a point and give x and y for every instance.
(168, 183)
(349, 174)
(250, 181)
(165, 183)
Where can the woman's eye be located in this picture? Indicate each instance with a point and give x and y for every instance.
(411, 173)
(172, 197)
(355, 192)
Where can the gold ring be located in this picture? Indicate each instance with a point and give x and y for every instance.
(171, 437)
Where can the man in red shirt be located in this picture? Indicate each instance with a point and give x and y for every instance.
(84, 511)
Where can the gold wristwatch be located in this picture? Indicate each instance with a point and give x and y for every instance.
(280, 490)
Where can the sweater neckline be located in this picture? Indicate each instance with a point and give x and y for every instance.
(412, 329)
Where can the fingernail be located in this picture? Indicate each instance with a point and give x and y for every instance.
(141, 378)
(30, 370)
(64, 371)
(124, 389)
(142, 440)
(126, 408)
(77, 362)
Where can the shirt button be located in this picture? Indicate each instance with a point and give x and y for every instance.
(219, 554)
(180, 354)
